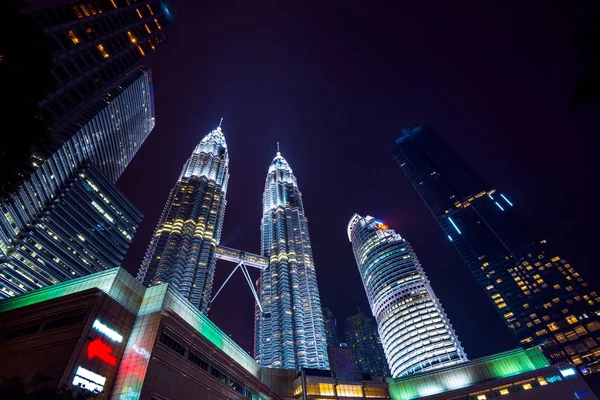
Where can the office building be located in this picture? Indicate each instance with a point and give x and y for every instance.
(539, 295)
(95, 44)
(414, 329)
(108, 141)
(289, 332)
(363, 340)
(330, 324)
(182, 251)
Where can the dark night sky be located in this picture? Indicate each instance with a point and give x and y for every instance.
(334, 82)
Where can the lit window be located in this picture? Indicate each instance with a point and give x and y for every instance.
(571, 319)
(139, 13)
(103, 51)
(527, 386)
(141, 50)
(150, 9)
(147, 28)
(481, 397)
(73, 37)
(113, 3)
(503, 391)
(132, 38)
(157, 23)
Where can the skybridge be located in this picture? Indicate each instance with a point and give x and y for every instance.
(243, 259)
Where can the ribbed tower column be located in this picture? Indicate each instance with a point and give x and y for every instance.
(182, 250)
(290, 332)
(414, 329)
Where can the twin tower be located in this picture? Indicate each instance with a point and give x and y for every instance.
(289, 331)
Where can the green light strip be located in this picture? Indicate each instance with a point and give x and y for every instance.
(124, 289)
(466, 374)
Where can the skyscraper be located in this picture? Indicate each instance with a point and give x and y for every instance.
(182, 250)
(414, 330)
(539, 295)
(330, 327)
(95, 43)
(108, 140)
(363, 339)
(290, 332)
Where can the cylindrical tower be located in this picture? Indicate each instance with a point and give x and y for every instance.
(414, 329)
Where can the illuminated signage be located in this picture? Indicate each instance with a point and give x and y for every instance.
(98, 349)
(553, 379)
(568, 372)
(105, 330)
(381, 225)
(89, 380)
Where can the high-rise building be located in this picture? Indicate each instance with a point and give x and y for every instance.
(95, 43)
(542, 299)
(330, 327)
(182, 250)
(414, 330)
(289, 333)
(108, 140)
(87, 228)
(363, 339)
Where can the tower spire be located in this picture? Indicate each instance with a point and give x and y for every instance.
(278, 153)
(220, 122)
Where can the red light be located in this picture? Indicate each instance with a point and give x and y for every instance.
(98, 348)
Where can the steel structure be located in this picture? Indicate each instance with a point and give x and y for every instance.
(414, 329)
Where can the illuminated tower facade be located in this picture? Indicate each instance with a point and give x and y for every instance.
(414, 330)
(541, 298)
(330, 328)
(289, 333)
(182, 250)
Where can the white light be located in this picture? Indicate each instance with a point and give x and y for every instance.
(505, 199)
(87, 385)
(91, 376)
(107, 331)
(455, 227)
(568, 372)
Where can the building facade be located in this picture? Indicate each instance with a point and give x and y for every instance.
(108, 141)
(107, 333)
(414, 329)
(182, 251)
(541, 298)
(94, 44)
(363, 340)
(289, 333)
(330, 328)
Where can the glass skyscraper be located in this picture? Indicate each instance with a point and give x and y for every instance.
(414, 330)
(542, 299)
(108, 141)
(363, 339)
(182, 251)
(330, 327)
(290, 332)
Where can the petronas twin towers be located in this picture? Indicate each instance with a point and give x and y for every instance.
(289, 331)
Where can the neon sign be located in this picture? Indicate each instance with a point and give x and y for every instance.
(89, 380)
(98, 349)
(106, 331)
